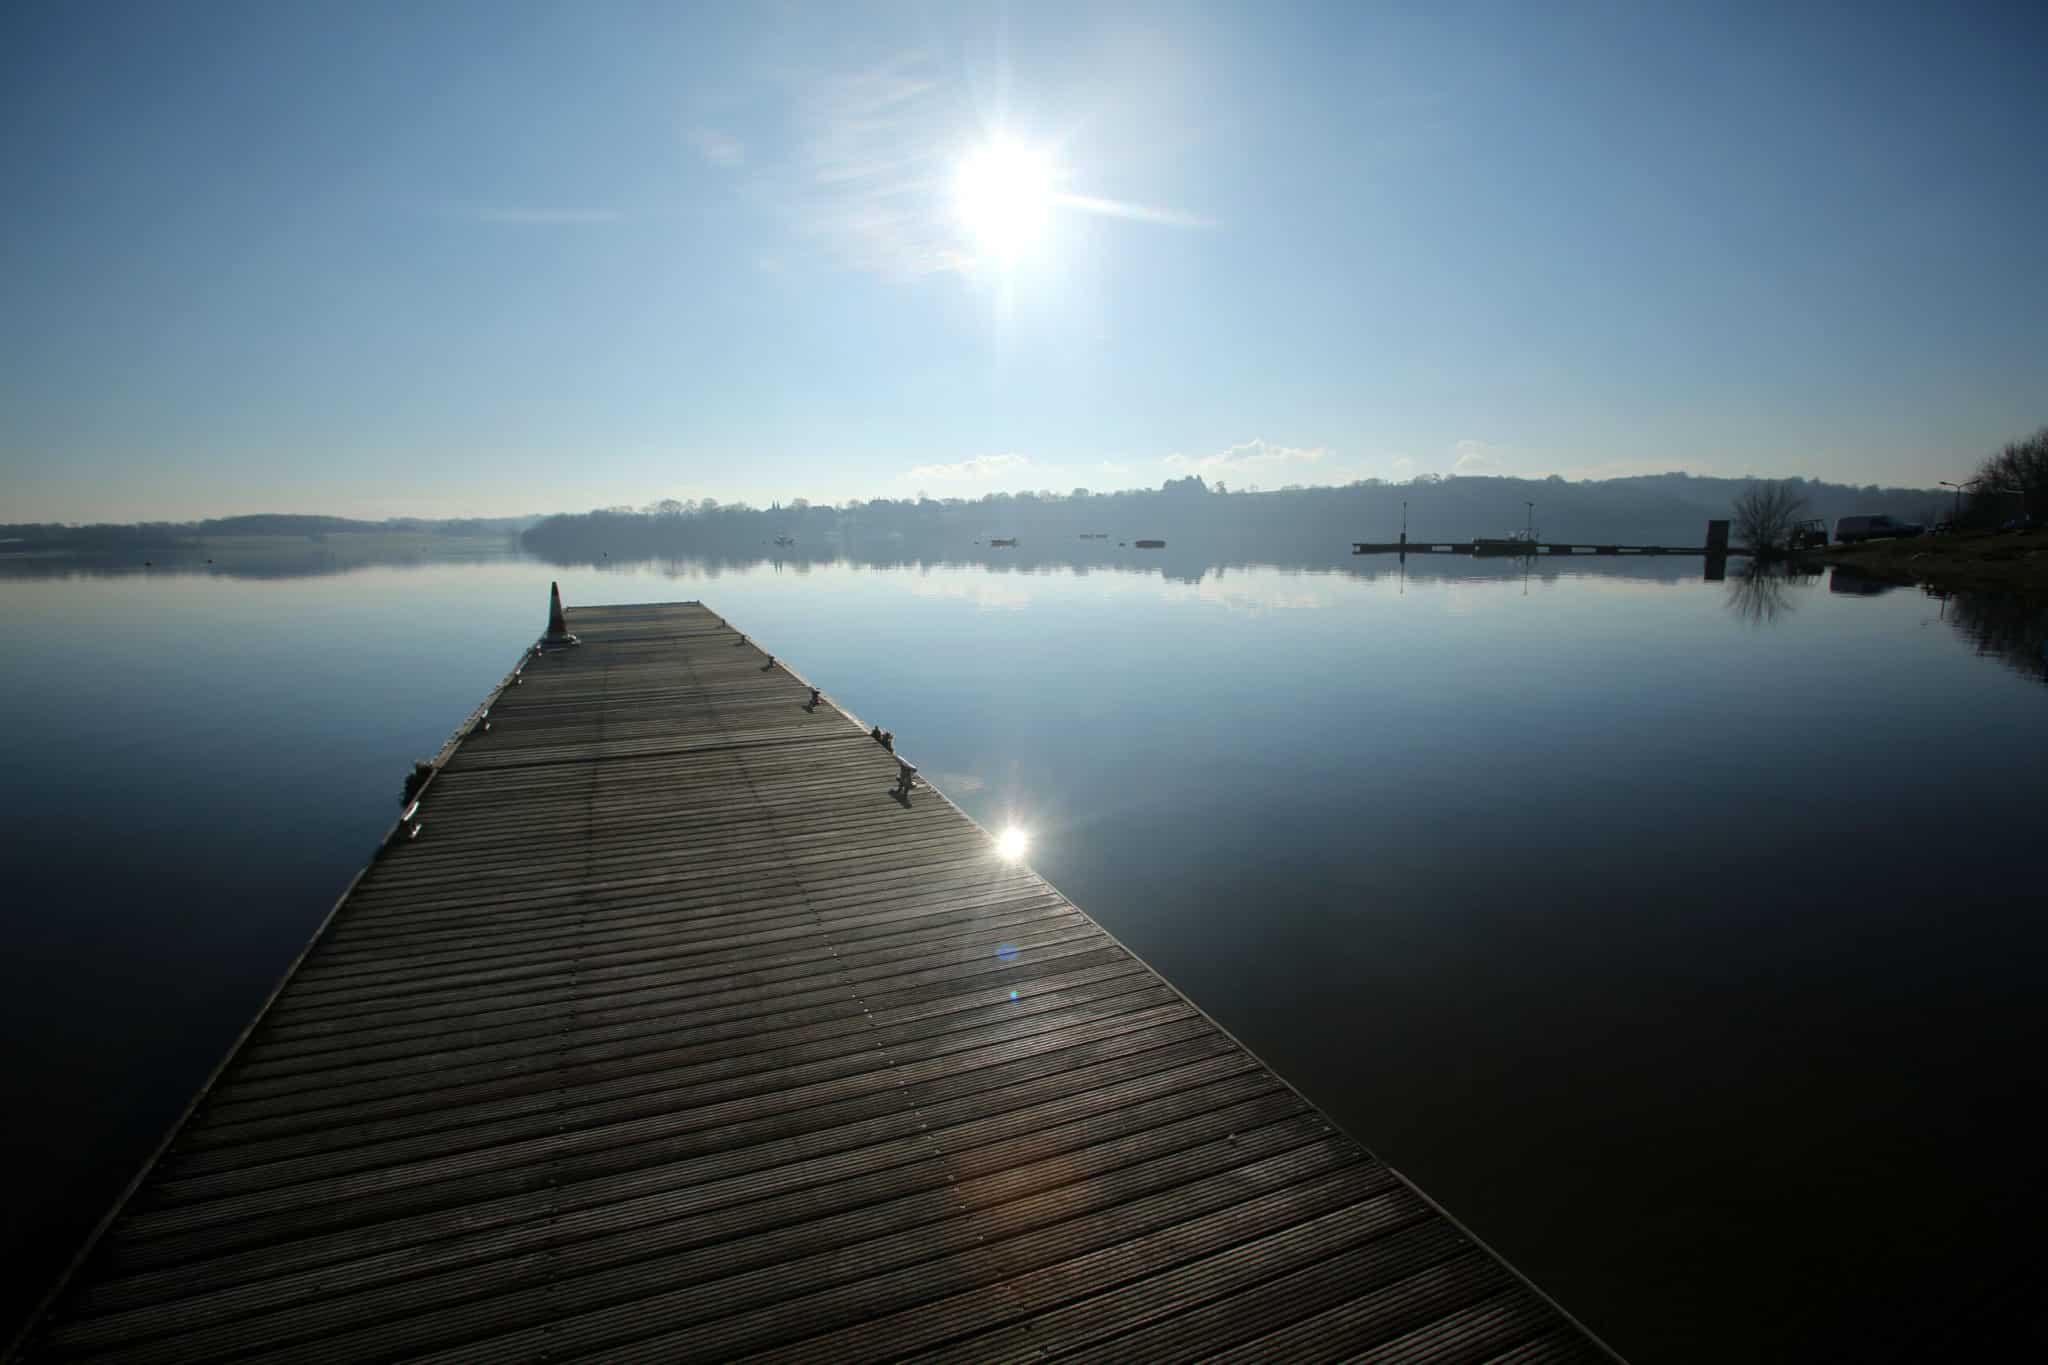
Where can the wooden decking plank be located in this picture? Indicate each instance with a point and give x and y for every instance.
(454, 1079)
(748, 1258)
(753, 900)
(922, 930)
(291, 1138)
(159, 1237)
(959, 915)
(627, 1018)
(700, 1215)
(1105, 1292)
(612, 1095)
(956, 1011)
(957, 1125)
(1380, 1289)
(743, 902)
(214, 1127)
(915, 1246)
(621, 1124)
(872, 970)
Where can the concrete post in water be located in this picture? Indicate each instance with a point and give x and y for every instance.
(1717, 551)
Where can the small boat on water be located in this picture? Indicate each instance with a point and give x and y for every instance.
(999, 543)
(1151, 544)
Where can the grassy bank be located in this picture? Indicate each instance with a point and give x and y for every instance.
(1990, 561)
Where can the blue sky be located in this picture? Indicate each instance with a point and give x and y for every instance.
(488, 259)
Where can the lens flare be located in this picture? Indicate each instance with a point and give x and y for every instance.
(1013, 843)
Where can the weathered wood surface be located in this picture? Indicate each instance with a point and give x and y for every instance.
(674, 1036)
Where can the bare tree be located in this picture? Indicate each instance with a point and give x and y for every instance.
(1764, 517)
(2012, 482)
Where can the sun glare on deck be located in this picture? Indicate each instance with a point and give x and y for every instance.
(1003, 193)
(1013, 843)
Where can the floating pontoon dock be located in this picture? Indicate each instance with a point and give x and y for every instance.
(678, 1020)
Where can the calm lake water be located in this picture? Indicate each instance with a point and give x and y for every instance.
(1682, 938)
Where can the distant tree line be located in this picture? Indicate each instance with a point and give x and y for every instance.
(1225, 523)
(165, 537)
(1277, 526)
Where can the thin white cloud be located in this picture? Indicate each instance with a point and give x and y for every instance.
(1254, 456)
(530, 217)
(720, 149)
(869, 174)
(980, 468)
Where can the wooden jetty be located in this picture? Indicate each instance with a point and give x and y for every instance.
(677, 1020)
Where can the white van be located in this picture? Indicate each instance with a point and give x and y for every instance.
(1849, 530)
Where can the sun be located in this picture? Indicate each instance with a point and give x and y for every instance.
(1013, 843)
(1003, 194)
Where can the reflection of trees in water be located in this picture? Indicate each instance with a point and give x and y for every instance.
(1191, 564)
(1758, 594)
(2003, 628)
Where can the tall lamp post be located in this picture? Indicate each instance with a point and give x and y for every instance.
(1956, 515)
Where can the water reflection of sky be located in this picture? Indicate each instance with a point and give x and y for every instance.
(1583, 873)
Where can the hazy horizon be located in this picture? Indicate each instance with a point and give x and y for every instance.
(477, 260)
(1421, 485)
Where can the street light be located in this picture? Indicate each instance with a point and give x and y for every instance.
(1957, 514)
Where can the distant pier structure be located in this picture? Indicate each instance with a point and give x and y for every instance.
(1406, 546)
(678, 1019)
